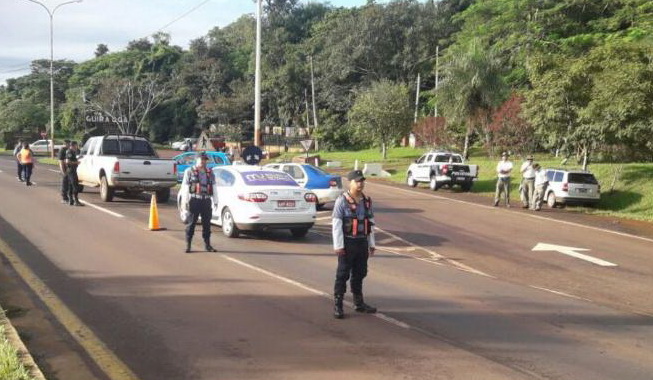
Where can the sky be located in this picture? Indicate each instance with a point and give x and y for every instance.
(80, 27)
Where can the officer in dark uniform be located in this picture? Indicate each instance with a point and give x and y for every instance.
(64, 171)
(199, 180)
(353, 242)
(71, 173)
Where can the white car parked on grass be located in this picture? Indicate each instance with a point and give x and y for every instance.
(252, 198)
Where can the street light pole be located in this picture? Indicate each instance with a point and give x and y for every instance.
(51, 14)
(257, 78)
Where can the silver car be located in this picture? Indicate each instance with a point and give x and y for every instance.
(571, 187)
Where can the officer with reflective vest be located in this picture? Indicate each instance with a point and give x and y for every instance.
(353, 242)
(199, 180)
(26, 158)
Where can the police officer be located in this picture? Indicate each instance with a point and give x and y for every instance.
(64, 171)
(528, 181)
(199, 180)
(353, 242)
(19, 166)
(504, 168)
(71, 172)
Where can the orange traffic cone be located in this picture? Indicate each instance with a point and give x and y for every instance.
(154, 215)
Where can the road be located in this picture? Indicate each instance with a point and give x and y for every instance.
(461, 291)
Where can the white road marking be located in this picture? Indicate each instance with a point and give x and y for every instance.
(309, 289)
(55, 171)
(324, 218)
(571, 251)
(412, 192)
(560, 293)
(102, 209)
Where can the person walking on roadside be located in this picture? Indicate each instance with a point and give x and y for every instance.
(504, 168)
(71, 172)
(199, 179)
(61, 156)
(541, 182)
(353, 242)
(19, 166)
(527, 182)
(26, 158)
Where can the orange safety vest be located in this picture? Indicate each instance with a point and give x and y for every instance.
(25, 156)
(351, 222)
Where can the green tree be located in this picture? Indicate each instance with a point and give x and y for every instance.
(383, 114)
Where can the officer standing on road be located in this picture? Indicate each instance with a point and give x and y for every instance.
(71, 172)
(541, 182)
(19, 166)
(504, 167)
(353, 242)
(64, 171)
(199, 180)
(528, 181)
(26, 158)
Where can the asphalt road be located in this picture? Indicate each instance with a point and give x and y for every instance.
(461, 292)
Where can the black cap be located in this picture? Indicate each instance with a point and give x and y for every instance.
(356, 175)
(201, 154)
(73, 143)
(66, 141)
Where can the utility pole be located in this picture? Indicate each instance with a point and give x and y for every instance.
(308, 113)
(257, 80)
(417, 97)
(313, 99)
(437, 76)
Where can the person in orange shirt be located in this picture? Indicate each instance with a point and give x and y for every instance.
(26, 159)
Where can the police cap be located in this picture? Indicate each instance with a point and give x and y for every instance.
(356, 175)
(202, 154)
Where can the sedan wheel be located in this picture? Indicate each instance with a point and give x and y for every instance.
(228, 225)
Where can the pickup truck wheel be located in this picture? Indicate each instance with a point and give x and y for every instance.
(228, 225)
(106, 192)
(162, 196)
(410, 180)
(433, 183)
(551, 200)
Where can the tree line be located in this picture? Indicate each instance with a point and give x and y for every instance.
(574, 77)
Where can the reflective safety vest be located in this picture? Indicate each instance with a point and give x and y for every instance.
(195, 186)
(26, 156)
(351, 222)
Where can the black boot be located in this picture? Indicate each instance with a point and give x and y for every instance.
(361, 306)
(78, 203)
(338, 312)
(187, 246)
(207, 246)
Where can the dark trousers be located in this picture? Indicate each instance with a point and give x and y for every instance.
(352, 263)
(27, 171)
(19, 170)
(73, 190)
(199, 207)
(64, 187)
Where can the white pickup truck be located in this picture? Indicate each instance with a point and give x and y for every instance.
(442, 169)
(126, 163)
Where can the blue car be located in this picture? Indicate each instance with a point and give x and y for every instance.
(186, 160)
(326, 186)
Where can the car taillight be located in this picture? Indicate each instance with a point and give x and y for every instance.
(253, 197)
(310, 198)
(445, 169)
(598, 190)
(565, 186)
(116, 167)
(174, 168)
(333, 183)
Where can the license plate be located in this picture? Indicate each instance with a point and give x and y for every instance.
(147, 183)
(460, 178)
(582, 190)
(285, 203)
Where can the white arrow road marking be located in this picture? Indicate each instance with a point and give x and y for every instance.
(571, 251)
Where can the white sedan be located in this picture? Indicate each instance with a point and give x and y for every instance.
(44, 146)
(252, 198)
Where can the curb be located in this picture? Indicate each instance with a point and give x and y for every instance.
(24, 355)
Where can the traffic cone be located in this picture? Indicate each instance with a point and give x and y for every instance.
(154, 215)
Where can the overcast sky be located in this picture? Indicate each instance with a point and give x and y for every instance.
(80, 27)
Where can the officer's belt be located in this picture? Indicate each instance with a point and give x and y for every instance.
(200, 196)
(529, 178)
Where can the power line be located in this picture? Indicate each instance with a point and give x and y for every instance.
(184, 15)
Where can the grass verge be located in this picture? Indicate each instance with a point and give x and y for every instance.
(11, 366)
(627, 189)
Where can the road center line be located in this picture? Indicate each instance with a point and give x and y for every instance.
(102, 209)
(307, 288)
(412, 192)
(105, 359)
